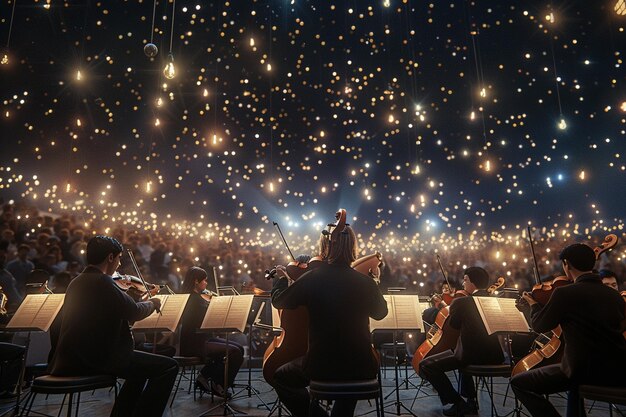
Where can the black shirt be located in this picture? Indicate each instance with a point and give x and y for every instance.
(95, 333)
(590, 315)
(340, 302)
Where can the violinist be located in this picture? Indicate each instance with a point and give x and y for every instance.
(95, 335)
(589, 314)
(212, 349)
(340, 302)
(474, 347)
(609, 279)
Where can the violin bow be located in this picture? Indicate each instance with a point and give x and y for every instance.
(443, 272)
(280, 232)
(143, 281)
(532, 249)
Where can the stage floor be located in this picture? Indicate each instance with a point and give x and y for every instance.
(426, 404)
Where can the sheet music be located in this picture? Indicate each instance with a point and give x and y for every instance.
(237, 317)
(172, 307)
(275, 317)
(37, 312)
(408, 312)
(228, 312)
(500, 315)
(404, 313)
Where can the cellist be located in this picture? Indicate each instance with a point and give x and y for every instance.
(340, 302)
(590, 315)
(474, 347)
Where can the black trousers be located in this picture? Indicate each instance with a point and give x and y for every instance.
(148, 382)
(215, 351)
(532, 386)
(434, 368)
(290, 383)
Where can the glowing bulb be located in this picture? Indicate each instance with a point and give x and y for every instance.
(68, 187)
(47, 5)
(157, 122)
(159, 102)
(271, 187)
(562, 124)
(416, 170)
(472, 115)
(78, 123)
(488, 166)
(149, 186)
(269, 66)
(620, 7)
(550, 17)
(205, 93)
(214, 139)
(623, 105)
(251, 41)
(483, 92)
(79, 76)
(387, 3)
(4, 60)
(582, 175)
(170, 70)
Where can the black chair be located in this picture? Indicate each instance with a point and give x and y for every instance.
(347, 390)
(611, 395)
(67, 385)
(486, 373)
(185, 363)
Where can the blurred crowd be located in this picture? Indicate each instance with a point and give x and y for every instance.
(41, 251)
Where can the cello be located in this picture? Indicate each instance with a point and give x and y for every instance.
(551, 351)
(293, 342)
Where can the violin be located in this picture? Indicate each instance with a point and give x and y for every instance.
(550, 352)
(133, 286)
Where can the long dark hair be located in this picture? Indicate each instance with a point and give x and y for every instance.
(193, 275)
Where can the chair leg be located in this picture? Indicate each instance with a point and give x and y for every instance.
(69, 406)
(62, 404)
(180, 376)
(78, 404)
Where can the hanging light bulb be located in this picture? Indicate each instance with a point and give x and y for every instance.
(170, 70)
(4, 60)
(79, 75)
(562, 124)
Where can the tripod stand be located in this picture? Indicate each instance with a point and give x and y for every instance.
(397, 403)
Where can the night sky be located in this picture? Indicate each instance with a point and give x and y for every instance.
(417, 117)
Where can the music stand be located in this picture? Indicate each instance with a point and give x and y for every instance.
(404, 314)
(36, 313)
(226, 314)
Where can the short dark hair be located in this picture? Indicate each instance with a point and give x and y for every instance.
(605, 273)
(99, 247)
(579, 256)
(478, 276)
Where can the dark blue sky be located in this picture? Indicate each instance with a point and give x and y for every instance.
(350, 104)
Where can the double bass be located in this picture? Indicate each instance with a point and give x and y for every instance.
(550, 349)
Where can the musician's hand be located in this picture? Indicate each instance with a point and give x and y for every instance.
(529, 298)
(156, 302)
(281, 272)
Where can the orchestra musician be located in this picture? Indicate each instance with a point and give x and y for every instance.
(340, 302)
(474, 347)
(212, 349)
(609, 279)
(589, 314)
(95, 336)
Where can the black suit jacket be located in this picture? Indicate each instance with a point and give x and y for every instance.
(95, 335)
(590, 315)
(474, 346)
(340, 302)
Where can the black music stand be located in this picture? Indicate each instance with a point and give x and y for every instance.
(35, 313)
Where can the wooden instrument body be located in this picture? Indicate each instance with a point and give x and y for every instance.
(292, 343)
(440, 337)
(549, 354)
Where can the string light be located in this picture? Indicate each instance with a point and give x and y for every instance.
(169, 71)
